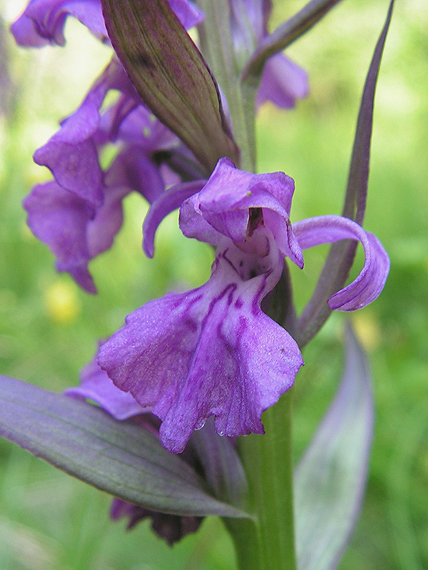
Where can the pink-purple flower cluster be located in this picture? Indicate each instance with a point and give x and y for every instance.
(191, 372)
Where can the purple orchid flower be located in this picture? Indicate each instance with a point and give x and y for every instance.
(77, 231)
(79, 214)
(72, 153)
(96, 386)
(282, 80)
(42, 22)
(212, 351)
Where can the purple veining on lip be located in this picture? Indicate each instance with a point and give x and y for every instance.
(193, 355)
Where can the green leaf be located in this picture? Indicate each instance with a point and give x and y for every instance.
(330, 479)
(121, 458)
(341, 255)
(170, 75)
(222, 466)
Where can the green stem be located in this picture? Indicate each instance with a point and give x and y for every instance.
(267, 541)
(218, 50)
(268, 463)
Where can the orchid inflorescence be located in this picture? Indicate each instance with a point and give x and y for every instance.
(219, 355)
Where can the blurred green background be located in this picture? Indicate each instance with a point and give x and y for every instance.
(49, 328)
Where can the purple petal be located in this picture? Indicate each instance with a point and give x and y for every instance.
(282, 82)
(143, 127)
(229, 188)
(166, 203)
(188, 14)
(71, 153)
(193, 224)
(204, 353)
(72, 228)
(42, 22)
(97, 386)
(80, 274)
(369, 283)
(284, 236)
(75, 167)
(59, 219)
(102, 229)
(26, 34)
(135, 170)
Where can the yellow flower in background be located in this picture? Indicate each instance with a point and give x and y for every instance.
(61, 302)
(368, 330)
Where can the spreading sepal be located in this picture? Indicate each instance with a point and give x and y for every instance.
(341, 256)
